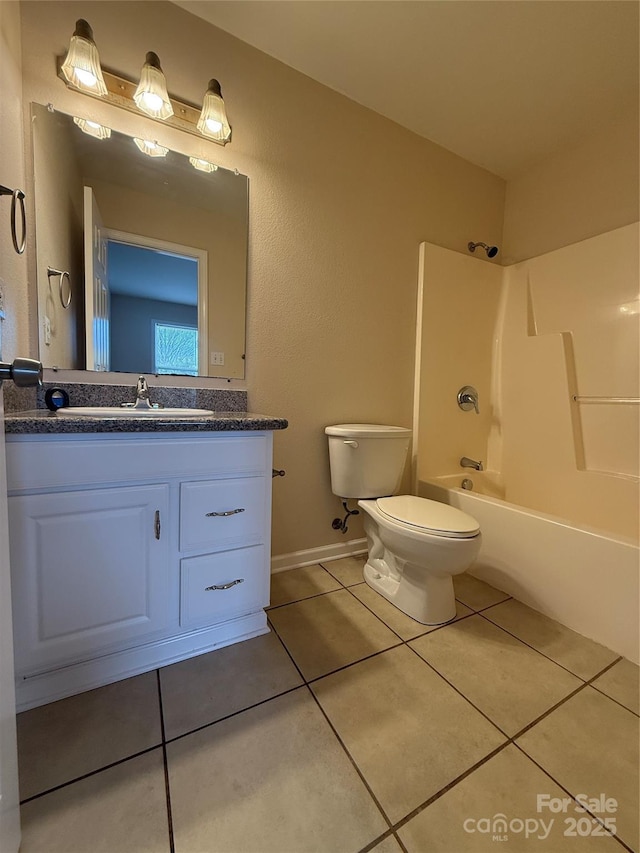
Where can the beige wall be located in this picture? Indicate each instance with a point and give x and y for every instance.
(583, 190)
(13, 267)
(340, 199)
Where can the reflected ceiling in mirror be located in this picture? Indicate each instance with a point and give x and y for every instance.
(130, 230)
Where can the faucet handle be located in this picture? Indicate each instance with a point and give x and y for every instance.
(468, 399)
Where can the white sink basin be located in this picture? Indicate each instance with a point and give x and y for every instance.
(119, 412)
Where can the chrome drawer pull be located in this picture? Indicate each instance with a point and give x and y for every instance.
(224, 585)
(224, 514)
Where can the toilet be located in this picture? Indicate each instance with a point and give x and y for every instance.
(415, 545)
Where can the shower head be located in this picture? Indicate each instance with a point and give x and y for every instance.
(491, 251)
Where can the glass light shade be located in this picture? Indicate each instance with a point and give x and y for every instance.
(81, 67)
(92, 128)
(152, 149)
(213, 118)
(202, 165)
(151, 96)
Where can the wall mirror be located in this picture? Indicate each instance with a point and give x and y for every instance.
(141, 260)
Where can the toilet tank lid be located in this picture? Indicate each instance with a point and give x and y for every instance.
(430, 515)
(367, 431)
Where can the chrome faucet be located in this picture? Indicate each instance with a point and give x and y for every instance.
(465, 462)
(142, 394)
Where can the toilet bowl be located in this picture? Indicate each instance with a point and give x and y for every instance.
(415, 545)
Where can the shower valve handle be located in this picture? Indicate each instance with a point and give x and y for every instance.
(468, 399)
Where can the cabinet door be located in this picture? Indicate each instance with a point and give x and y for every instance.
(90, 570)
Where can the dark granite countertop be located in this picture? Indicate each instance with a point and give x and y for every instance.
(44, 421)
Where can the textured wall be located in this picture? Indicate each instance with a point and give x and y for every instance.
(340, 200)
(583, 190)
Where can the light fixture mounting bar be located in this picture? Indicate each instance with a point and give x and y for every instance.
(120, 94)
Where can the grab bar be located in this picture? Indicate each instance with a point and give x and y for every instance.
(624, 400)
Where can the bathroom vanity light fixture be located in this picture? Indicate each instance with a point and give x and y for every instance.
(81, 66)
(151, 96)
(80, 69)
(92, 128)
(202, 165)
(213, 119)
(152, 149)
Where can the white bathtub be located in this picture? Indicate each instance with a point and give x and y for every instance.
(587, 579)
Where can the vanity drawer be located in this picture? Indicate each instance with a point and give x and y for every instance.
(239, 580)
(222, 513)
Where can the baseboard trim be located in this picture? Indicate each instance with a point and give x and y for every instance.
(323, 554)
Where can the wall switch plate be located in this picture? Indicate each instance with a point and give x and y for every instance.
(47, 331)
(217, 358)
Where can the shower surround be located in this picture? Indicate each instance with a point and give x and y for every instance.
(551, 344)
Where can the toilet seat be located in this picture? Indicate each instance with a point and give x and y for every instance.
(433, 517)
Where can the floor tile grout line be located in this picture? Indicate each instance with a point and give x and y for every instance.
(573, 693)
(165, 762)
(332, 671)
(573, 797)
(304, 598)
(402, 640)
(340, 668)
(383, 837)
(602, 693)
(91, 773)
(397, 645)
(400, 842)
(284, 646)
(533, 648)
(448, 787)
(328, 571)
(351, 758)
(511, 740)
(430, 630)
(486, 606)
(455, 621)
(550, 710)
(233, 714)
(617, 701)
(458, 691)
(355, 662)
(333, 729)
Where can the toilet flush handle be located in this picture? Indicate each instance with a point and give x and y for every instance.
(350, 443)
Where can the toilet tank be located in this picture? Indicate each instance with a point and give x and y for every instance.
(367, 460)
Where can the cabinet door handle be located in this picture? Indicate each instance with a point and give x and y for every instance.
(224, 585)
(156, 524)
(224, 514)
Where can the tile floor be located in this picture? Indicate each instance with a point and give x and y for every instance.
(349, 727)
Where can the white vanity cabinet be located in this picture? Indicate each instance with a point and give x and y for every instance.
(132, 551)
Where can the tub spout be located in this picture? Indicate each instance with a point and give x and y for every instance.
(465, 462)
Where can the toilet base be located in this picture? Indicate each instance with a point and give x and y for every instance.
(430, 602)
